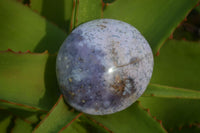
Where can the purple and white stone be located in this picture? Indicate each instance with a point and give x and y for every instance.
(104, 66)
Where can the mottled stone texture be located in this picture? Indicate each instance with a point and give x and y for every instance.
(104, 66)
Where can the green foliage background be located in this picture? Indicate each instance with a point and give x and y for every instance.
(31, 33)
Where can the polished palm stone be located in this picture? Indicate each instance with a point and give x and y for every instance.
(104, 66)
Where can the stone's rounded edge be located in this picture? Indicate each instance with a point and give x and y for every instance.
(69, 40)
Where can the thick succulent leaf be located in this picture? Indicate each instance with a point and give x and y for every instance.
(63, 119)
(87, 10)
(59, 116)
(186, 129)
(28, 81)
(68, 13)
(29, 116)
(178, 65)
(59, 12)
(21, 126)
(155, 19)
(4, 124)
(171, 92)
(84, 125)
(174, 112)
(133, 119)
(22, 29)
(10, 123)
(32, 77)
(173, 95)
(5, 120)
(17, 106)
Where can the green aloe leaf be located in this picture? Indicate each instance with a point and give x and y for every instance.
(22, 29)
(173, 95)
(21, 126)
(155, 19)
(178, 65)
(85, 125)
(5, 120)
(62, 119)
(87, 10)
(29, 116)
(59, 116)
(28, 81)
(11, 123)
(133, 119)
(70, 12)
(186, 129)
(170, 92)
(174, 112)
(59, 12)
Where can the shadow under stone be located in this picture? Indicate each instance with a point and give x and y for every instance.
(51, 42)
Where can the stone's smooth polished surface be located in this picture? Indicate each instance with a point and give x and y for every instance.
(104, 66)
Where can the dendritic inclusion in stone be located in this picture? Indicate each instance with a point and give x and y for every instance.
(104, 66)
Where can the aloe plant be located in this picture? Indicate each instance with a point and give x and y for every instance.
(31, 33)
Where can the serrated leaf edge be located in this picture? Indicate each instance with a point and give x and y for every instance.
(23, 105)
(176, 88)
(148, 112)
(26, 52)
(171, 35)
(76, 117)
(59, 99)
(98, 123)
